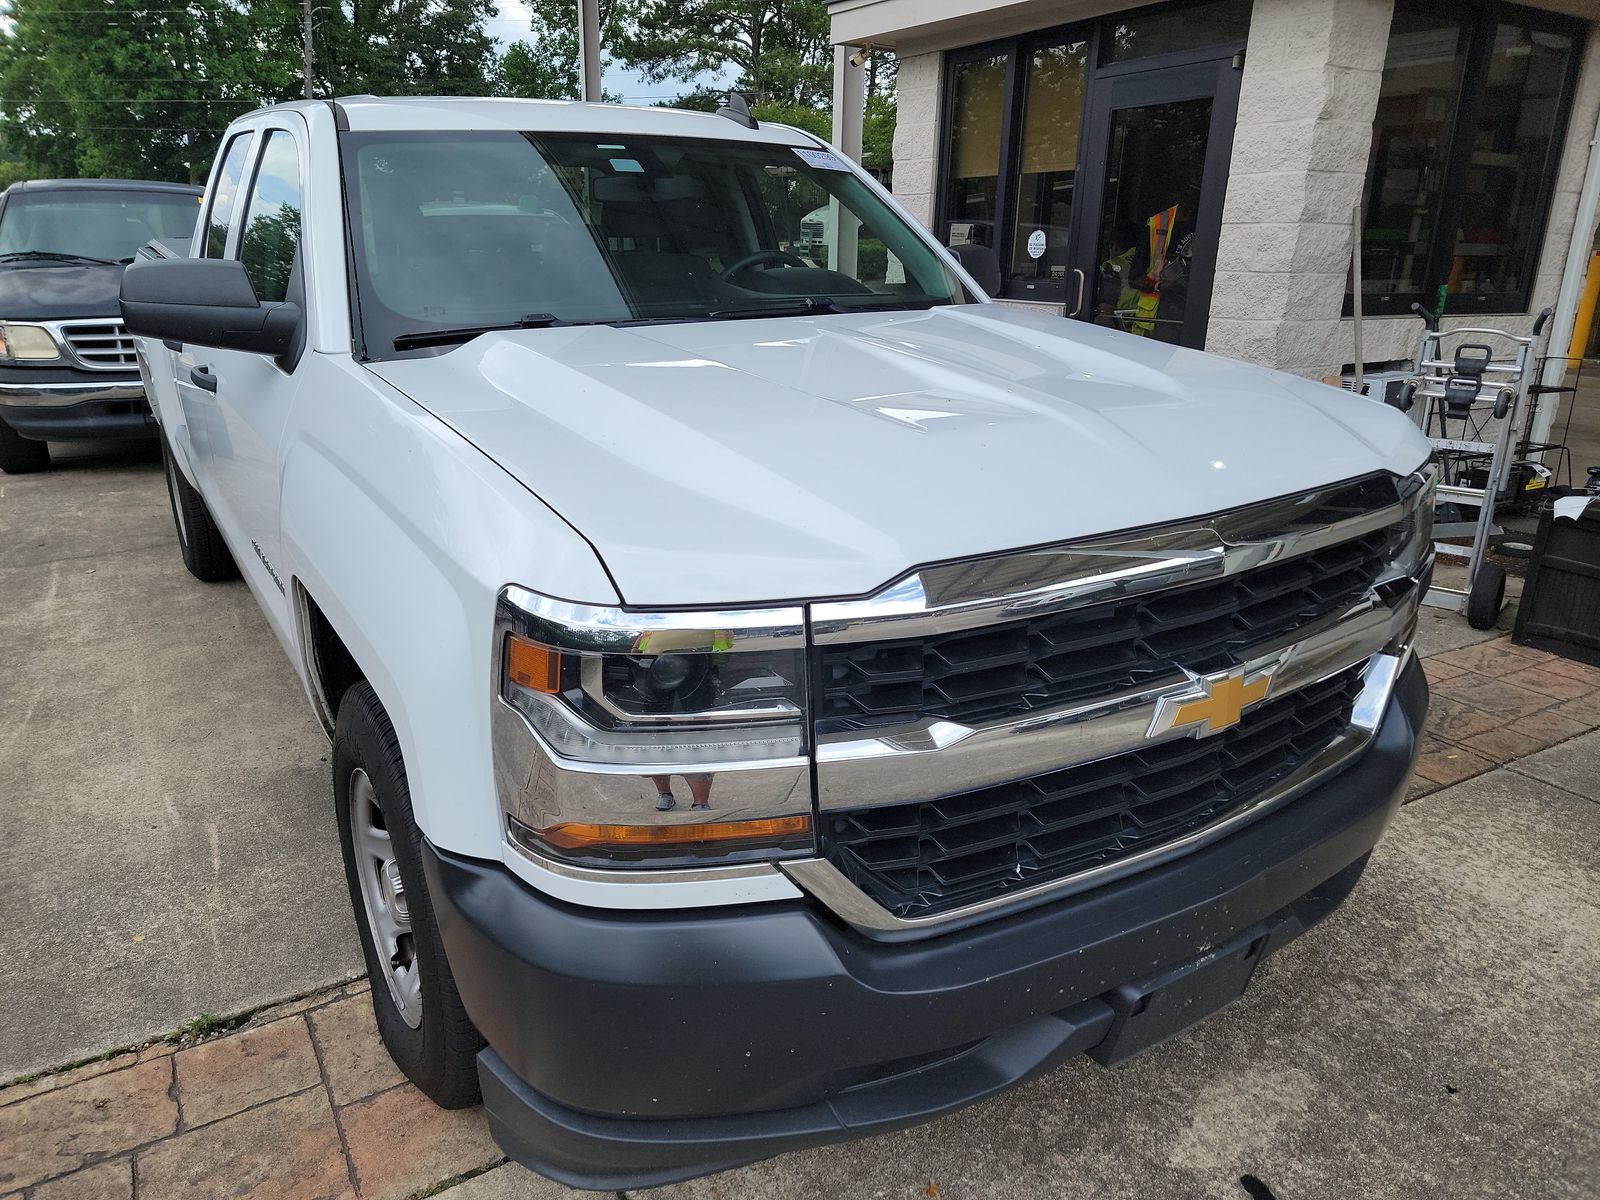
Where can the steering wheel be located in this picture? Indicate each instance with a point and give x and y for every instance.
(777, 258)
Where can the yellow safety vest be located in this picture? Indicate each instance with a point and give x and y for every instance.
(1159, 228)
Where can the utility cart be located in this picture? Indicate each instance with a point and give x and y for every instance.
(1470, 395)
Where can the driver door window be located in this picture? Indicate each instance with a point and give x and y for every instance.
(225, 197)
(271, 222)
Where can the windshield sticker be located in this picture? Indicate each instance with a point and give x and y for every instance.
(1036, 244)
(823, 160)
(627, 166)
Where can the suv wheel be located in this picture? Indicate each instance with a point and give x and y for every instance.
(204, 552)
(20, 455)
(419, 1012)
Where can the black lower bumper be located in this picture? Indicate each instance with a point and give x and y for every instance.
(89, 421)
(634, 1049)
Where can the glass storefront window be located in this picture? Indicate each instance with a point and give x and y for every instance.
(1174, 29)
(1042, 214)
(1508, 175)
(977, 109)
(1410, 149)
(1472, 106)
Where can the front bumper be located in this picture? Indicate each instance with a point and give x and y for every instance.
(627, 1050)
(65, 404)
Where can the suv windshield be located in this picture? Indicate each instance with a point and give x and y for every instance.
(84, 223)
(460, 232)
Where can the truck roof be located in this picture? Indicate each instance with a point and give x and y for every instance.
(395, 113)
(132, 185)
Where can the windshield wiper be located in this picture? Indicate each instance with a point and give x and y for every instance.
(465, 333)
(817, 304)
(53, 256)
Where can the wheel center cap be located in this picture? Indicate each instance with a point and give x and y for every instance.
(395, 891)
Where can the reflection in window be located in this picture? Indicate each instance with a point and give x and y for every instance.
(272, 219)
(979, 89)
(1052, 114)
(1172, 30)
(1463, 155)
(1508, 172)
(226, 193)
(1410, 149)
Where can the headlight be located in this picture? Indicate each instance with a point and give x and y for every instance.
(27, 343)
(638, 720)
(1420, 490)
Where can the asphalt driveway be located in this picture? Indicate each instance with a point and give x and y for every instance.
(167, 842)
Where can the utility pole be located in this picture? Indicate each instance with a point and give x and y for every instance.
(306, 54)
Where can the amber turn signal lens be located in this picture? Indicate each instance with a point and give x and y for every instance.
(574, 835)
(532, 666)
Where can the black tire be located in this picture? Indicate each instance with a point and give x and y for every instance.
(439, 1054)
(1487, 596)
(20, 455)
(1514, 545)
(204, 552)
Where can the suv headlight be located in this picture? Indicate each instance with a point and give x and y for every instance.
(23, 343)
(619, 709)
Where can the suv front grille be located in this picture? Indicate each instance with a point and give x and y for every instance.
(101, 345)
(919, 860)
(1011, 669)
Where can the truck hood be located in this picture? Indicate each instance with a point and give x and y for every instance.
(58, 291)
(759, 460)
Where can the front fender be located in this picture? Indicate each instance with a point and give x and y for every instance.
(403, 534)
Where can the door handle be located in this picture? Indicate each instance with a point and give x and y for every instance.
(202, 377)
(1077, 309)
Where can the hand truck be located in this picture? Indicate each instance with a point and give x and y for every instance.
(1474, 387)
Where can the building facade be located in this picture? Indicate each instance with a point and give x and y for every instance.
(1195, 171)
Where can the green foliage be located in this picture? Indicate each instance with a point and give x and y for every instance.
(144, 90)
(778, 49)
(401, 47)
(877, 133)
(802, 116)
(546, 68)
(131, 90)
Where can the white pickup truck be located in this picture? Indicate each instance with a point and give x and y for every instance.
(775, 696)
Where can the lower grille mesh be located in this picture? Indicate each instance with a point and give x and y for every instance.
(918, 860)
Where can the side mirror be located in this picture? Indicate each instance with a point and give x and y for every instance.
(982, 263)
(205, 302)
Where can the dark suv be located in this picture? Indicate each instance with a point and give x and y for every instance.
(68, 370)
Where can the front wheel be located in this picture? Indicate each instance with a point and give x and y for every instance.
(20, 455)
(419, 1012)
(200, 541)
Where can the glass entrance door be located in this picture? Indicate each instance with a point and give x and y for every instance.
(1155, 170)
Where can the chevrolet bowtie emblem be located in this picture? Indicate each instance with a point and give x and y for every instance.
(1215, 703)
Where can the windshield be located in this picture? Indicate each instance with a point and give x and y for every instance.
(467, 231)
(109, 225)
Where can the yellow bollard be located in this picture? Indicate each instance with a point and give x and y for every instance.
(1584, 319)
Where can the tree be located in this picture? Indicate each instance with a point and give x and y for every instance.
(131, 89)
(779, 48)
(546, 66)
(400, 47)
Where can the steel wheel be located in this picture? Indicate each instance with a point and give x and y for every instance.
(383, 895)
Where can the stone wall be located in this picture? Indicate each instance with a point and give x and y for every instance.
(916, 134)
(1306, 106)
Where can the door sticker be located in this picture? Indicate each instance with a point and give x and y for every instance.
(1036, 244)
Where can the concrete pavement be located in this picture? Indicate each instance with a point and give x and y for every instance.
(167, 842)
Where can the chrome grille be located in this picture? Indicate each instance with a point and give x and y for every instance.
(1097, 650)
(919, 860)
(101, 345)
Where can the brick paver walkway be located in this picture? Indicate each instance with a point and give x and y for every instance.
(304, 1104)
